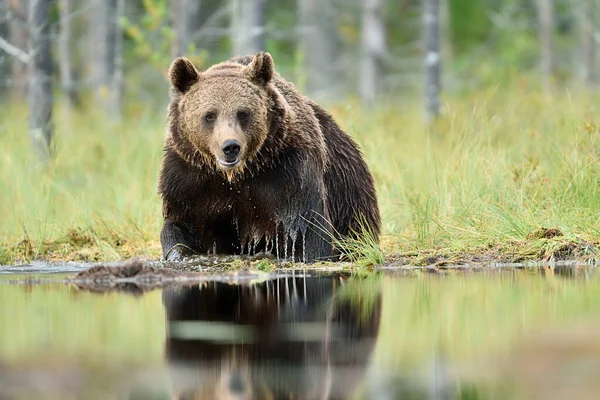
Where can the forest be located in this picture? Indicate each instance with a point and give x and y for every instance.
(478, 119)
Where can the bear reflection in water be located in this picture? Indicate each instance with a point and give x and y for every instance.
(286, 338)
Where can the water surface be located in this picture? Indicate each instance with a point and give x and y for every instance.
(498, 333)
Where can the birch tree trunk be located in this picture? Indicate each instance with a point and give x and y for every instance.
(248, 26)
(586, 11)
(432, 64)
(19, 38)
(185, 18)
(106, 38)
(545, 28)
(178, 12)
(64, 50)
(40, 72)
(118, 81)
(373, 49)
(318, 48)
(4, 59)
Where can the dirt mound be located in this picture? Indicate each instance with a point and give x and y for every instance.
(544, 233)
(134, 269)
(134, 277)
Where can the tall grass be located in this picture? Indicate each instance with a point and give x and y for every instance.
(498, 165)
(96, 200)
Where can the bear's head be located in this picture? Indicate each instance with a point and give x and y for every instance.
(222, 114)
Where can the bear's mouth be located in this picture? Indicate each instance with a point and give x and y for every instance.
(228, 167)
(228, 164)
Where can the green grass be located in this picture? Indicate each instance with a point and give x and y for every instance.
(97, 200)
(497, 166)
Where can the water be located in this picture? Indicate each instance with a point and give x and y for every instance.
(497, 333)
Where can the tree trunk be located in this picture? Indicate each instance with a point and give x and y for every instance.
(545, 28)
(193, 17)
(248, 26)
(118, 81)
(64, 50)
(40, 73)
(179, 43)
(373, 49)
(586, 10)
(185, 15)
(318, 48)
(431, 33)
(18, 38)
(4, 58)
(106, 34)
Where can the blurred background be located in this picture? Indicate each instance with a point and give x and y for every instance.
(461, 108)
(115, 52)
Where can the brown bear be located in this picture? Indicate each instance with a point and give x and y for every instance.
(251, 165)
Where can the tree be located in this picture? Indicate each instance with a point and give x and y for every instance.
(181, 28)
(40, 63)
(107, 62)
(586, 10)
(248, 26)
(18, 38)
(64, 50)
(4, 58)
(185, 19)
(431, 33)
(545, 29)
(318, 48)
(372, 48)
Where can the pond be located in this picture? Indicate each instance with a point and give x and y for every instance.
(496, 333)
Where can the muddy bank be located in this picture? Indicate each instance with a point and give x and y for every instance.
(138, 277)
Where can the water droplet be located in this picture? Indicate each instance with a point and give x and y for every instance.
(293, 235)
(268, 243)
(257, 238)
(304, 247)
(276, 241)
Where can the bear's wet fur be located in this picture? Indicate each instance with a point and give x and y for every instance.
(251, 165)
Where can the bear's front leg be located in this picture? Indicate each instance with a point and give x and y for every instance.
(317, 243)
(308, 223)
(177, 241)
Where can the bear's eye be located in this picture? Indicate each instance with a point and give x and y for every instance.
(243, 116)
(210, 117)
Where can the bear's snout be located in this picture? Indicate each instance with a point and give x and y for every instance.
(231, 149)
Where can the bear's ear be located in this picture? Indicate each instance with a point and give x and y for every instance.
(260, 70)
(183, 74)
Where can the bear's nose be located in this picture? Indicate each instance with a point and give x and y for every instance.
(231, 149)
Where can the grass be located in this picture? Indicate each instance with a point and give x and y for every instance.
(499, 165)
